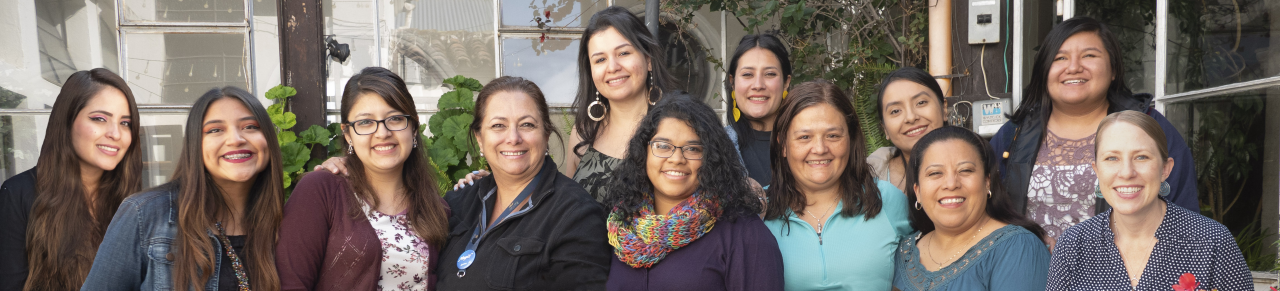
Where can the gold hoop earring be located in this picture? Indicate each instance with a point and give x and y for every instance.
(604, 109)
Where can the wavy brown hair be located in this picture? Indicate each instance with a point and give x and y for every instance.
(426, 212)
(200, 203)
(63, 237)
(858, 188)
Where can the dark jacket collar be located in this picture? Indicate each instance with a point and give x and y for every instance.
(544, 188)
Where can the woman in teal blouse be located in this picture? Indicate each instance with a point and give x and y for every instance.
(836, 225)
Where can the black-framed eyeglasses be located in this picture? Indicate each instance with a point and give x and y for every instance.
(369, 126)
(664, 150)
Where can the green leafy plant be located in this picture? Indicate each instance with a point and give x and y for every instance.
(295, 148)
(1253, 245)
(450, 148)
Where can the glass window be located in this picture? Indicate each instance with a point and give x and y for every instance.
(435, 40)
(1217, 43)
(176, 68)
(687, 61)
(50, 41)
(230, 11)
(1132, 22)
(550, 13)
(20, 139)
(550, 63)
(266, 48)
(162, 141)
(354, 23)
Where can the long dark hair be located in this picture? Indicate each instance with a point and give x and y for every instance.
(749, 42)
(200, 202)
(1036, 100)
(858, 189)
(910, 74)
(62, 238)
(999, 206)
(635, 32)
(721, 176)
(426, 212)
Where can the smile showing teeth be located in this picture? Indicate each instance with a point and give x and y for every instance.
(1071, 82)
(383, 148)
(951, 200)
(757, 98)
(616, 81)
(822, 162)
(236, 156)
(916, 131)
(1128, 190)
(512, 153)
(674, 173)
(109, 149)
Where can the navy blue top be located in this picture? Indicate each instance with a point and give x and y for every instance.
(1010, 258)
(1086, 257)
(737, 255)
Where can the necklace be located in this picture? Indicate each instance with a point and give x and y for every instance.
(822, 221)
(241, 277)
(953, 256)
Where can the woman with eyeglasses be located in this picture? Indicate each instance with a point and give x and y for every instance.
(381, 226)
(682, 215)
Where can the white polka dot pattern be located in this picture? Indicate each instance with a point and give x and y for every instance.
(1086, 257)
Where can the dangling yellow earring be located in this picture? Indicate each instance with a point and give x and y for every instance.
(736, 114)
(784, 95)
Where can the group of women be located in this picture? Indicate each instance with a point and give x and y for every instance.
(662, 195)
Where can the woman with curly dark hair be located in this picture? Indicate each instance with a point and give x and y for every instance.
(679, 198)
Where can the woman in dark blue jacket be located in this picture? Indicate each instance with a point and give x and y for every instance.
(1045, 149)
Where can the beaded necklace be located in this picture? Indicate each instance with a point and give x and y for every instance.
(241, 276)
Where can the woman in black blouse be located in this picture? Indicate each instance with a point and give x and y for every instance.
(1143, 242)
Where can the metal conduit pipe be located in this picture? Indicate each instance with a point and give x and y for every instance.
(940, 42)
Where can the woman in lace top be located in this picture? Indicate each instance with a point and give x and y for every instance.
(1045, 149)
(970, 237)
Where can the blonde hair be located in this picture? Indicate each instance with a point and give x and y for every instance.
(1142, 121)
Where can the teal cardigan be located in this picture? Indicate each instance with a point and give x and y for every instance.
(855, 254)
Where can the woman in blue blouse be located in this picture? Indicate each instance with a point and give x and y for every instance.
(1144, 241)
(836, 225)
(970, 235)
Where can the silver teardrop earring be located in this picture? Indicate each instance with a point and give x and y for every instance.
(351, 150)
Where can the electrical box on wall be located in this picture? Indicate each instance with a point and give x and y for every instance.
(984, 21)
(989, 115)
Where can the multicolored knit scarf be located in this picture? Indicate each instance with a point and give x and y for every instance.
(649, 237)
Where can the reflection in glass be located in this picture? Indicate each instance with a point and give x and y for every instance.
(355, 23)
(184, 11)
(552, 64)
(553, 13)
(20, 138)
(686, 60)
(1217, 43)
(177, 68)
(438, 39)
(75, 36)
(161, 146)
(1133, 23)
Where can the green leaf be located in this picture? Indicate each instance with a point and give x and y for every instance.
(460, 81)
(295, 156)
(457, 128)
(285, 121)
(276, 109)
(286, 137)
(461, 98)
(443, 153)
(287, 181)
(281, 92)
(436, 122)
(315, 135)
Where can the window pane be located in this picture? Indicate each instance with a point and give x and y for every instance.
(266, 47)
(20, 139)
(50, 40)
(435, 40)
(162, 145)
(563, 13)
(1232, 139)
(176, 68)
(1216, 43)
(552, 64)
(1132, 22)
(184, 11)
(687, 62)
(354, 23)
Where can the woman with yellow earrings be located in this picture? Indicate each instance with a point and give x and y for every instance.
(759, 74)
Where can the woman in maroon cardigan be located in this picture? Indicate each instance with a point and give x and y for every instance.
(381, 226)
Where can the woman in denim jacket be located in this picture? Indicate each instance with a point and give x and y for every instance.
(213, 226)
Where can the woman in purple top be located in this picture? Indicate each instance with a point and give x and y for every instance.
(683, 217)
(381, 226)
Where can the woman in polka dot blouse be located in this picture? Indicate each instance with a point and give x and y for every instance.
(1144, 242)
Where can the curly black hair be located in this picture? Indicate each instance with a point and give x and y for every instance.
(721, 176)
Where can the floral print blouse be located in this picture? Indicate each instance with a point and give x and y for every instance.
(406, 257)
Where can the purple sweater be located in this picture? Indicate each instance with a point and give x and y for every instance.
(322, 247)
(738, 255)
